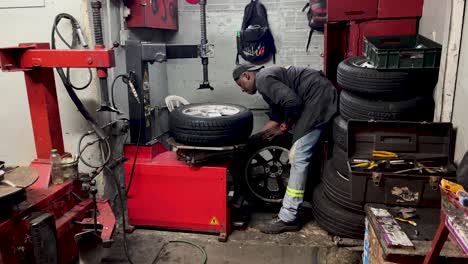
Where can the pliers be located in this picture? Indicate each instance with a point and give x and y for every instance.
(384, 154)
(370, 165)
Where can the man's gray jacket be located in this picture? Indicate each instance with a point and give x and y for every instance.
(302, 95)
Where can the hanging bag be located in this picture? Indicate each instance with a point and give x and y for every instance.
(255, 41)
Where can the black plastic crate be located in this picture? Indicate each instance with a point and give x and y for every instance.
(429, 143)
(402, 52)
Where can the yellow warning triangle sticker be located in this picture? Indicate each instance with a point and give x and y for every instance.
(214, 221)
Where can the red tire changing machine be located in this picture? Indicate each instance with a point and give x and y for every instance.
(166, 192)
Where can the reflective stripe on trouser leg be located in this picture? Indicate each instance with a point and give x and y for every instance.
(299, 157)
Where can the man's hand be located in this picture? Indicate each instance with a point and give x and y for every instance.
(271, 133)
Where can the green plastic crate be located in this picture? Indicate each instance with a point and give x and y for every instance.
(402, 52)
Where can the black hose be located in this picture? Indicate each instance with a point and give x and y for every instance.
(106, 158)
(123, 76)
(68, 86)
(132, 173)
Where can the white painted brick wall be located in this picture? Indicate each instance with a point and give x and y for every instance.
(290, 30)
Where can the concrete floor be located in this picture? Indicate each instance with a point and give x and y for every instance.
(310, 245)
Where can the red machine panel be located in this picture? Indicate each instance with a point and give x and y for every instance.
(162, 14)
(400, 8)
(377, 28)
(167, 193)
(343, 10)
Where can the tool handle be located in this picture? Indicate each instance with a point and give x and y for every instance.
(451, 186)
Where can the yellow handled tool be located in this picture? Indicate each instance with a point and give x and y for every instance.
(384, 154)
(370, 165)
(413, 223)
(361, 165)
(451, 186)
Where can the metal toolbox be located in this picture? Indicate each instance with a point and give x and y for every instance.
(412, 179)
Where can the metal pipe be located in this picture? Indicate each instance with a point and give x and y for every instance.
(101, 72)
(97, 23)
(204, 38)
(204, 41)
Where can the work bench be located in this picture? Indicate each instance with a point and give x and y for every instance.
(376, 249)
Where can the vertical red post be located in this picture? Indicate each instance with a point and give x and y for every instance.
(43, 106)
(432, 257)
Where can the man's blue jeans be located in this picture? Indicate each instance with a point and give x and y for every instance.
(299, 158)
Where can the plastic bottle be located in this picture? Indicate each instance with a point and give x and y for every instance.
(57, 172)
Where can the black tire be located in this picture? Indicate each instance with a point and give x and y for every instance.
(239, 170)
(340, 161)
(415, 109)
(340, 132)
(335, 220)
(338, 190)
(211, 131)
(371, 83)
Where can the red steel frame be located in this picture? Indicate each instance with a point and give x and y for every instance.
(65, 202)
(443, 232)
(37, 61)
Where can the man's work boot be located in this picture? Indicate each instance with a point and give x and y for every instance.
(277, 226)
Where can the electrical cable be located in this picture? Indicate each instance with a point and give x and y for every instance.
(132, 172)
(123, 76)
(205, 256)
(105, 159)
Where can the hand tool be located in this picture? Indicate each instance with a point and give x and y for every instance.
(400, 162)
(384, 154)
(360, 160)
(370, 164)
(406, 221)
(451, 186)
(420, 167)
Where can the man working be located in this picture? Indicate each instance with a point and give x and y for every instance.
(301, 100)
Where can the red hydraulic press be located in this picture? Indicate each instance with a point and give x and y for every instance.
(39, 222)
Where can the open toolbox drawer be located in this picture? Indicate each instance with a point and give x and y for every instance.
(416, 144)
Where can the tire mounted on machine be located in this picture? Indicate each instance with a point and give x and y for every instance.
(211, 124)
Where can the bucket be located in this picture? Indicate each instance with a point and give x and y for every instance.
(70, 167)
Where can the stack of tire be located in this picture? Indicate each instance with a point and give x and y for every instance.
(368, 94)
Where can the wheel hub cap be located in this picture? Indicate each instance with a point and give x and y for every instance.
(207, 111)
